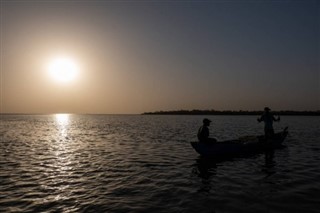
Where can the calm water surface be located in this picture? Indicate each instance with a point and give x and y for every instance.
(87, 163)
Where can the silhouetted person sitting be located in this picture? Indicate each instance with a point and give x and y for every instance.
(203, 132)
(268, 119)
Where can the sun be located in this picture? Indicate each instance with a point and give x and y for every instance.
(63, 69)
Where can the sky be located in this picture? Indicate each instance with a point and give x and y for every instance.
(140, 56)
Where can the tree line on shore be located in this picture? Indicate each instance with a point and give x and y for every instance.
(230, 112)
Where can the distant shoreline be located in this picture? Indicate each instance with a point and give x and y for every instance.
(231, 112)
(192, 112)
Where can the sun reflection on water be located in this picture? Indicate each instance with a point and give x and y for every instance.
(62, 167)
(62, 121)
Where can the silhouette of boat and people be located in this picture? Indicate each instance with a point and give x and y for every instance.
(209, 146)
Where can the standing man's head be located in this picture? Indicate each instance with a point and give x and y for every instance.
(267, 109)
(206, 122)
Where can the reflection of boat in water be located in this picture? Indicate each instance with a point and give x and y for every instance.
(241, 146)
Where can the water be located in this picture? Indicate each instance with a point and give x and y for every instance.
(104, 163)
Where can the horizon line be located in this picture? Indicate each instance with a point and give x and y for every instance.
(181, 112)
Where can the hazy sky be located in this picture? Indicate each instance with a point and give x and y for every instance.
(160, 55)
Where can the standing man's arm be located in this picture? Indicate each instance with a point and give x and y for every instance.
(276, 119)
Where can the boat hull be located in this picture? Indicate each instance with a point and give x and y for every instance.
(241, 146)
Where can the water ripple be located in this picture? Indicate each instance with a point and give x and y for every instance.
(145, 164)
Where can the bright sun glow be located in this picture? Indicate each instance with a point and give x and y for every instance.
(63, 69)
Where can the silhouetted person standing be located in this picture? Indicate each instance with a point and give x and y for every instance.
(203, 132)
(268, 118)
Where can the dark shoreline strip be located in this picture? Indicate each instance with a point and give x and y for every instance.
(230, 112)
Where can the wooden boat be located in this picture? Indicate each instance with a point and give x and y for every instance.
(241, 146)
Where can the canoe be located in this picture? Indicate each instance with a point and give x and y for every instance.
(241, 146)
